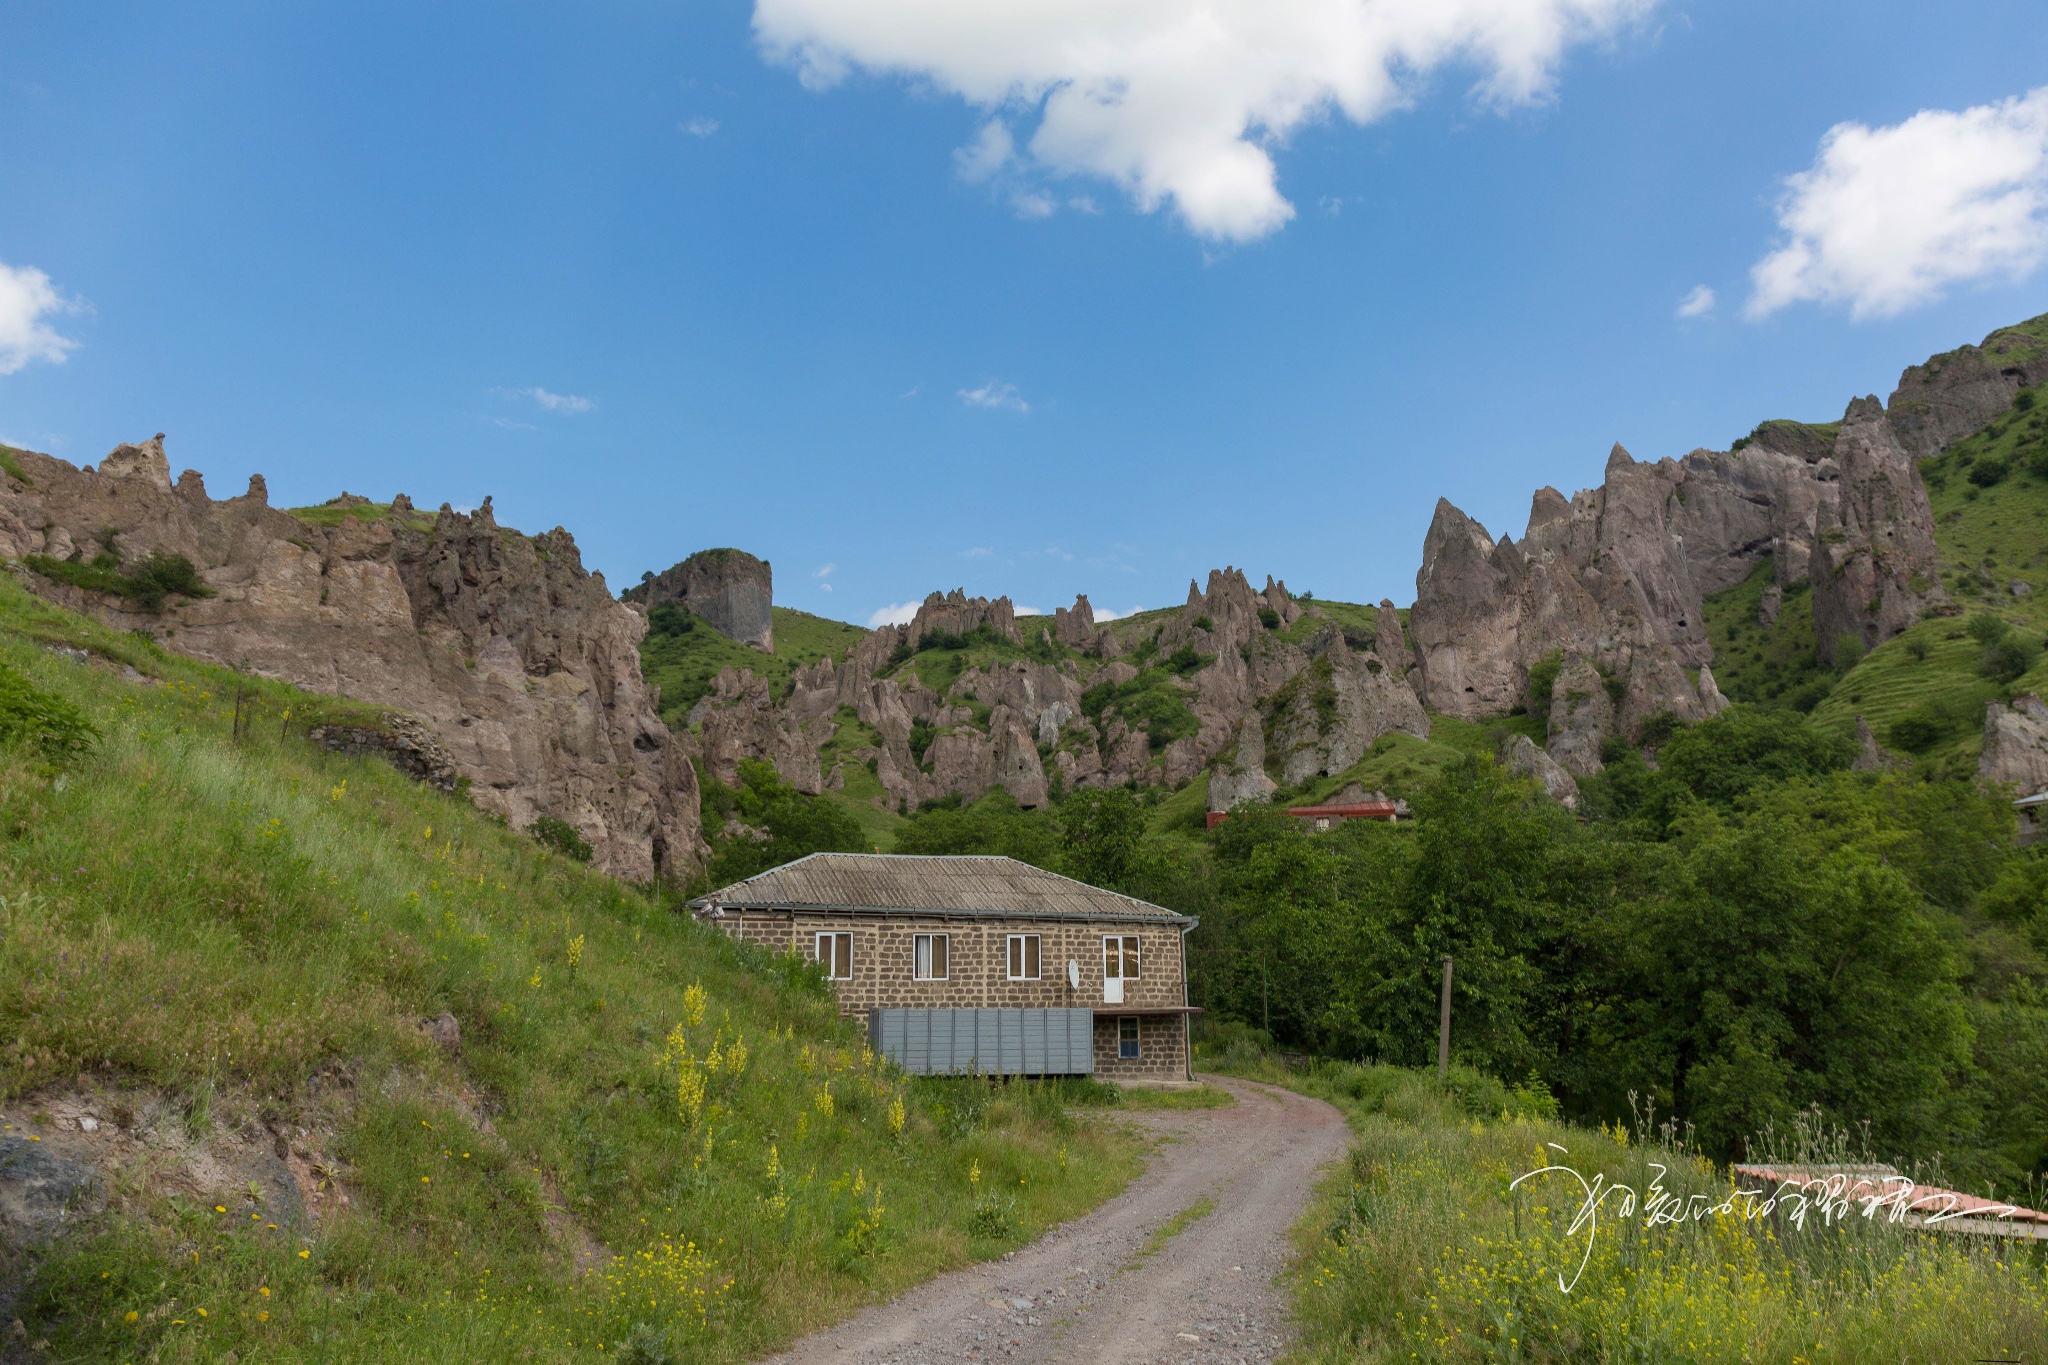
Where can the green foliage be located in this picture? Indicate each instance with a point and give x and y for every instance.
(1988, 471)
(766, 823)
(1103, 829)
(1149, 702)
(682, 655)
(147, 584)
(42, 721)
(561, 836)
(995, 825)
(1543, 681)
(10, 460)
(1269, 618)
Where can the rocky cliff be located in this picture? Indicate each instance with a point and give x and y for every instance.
(1606, 590)
(732, 590)
(518, 661)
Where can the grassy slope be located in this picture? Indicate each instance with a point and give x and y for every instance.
(683, 666)
(1988, 538)
(1415, 1249)
(196, 929)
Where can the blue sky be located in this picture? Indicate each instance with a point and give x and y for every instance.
(630, 271)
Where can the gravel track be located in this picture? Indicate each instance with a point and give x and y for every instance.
(1092, 1291)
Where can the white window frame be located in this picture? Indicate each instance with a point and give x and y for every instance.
(928, 951)
(1135, 1043)
(1127, 957)
(824, 948)
(1023, 957)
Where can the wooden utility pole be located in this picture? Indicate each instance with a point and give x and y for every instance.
(1443, 1035)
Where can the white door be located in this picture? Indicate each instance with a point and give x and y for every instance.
(1112, 971)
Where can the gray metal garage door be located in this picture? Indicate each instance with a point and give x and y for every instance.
(988, 1042)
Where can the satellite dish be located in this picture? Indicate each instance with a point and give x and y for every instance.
(1073, 974)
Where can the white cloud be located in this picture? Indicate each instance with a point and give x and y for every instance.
(1111, 614)
(700, 127)
(1182, 101)
(823, 573)
(895, 614)
(508, 424)
(994, 394)
(567, 403)
(27, 299)
(560, 402)
(990, 151)
(977, 552)
(1887, 218)
(1034, 204)
(1698, 303)
(1029, 611)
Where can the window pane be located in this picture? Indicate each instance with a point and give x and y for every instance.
(1130, 957)
(920, 955)
(939, 942)
(1016, 956)
(842, 956)
(1031, 956)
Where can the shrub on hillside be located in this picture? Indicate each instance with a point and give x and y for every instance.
(561, 836)
(152, 579)
(1989, 470)
(43, 721)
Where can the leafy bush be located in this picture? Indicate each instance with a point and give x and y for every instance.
(561, 836)
(153, 579)
(1269, 618)
(1919, 730)
(1543, 681)
(2009, 658)
(1987, 629)
(1989, 470)
(796, 825)
(42, 720)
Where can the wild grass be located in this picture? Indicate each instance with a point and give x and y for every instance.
(253, 930)
(682, 655)
(1421, 1247)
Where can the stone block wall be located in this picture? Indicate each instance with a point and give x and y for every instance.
(977, 973)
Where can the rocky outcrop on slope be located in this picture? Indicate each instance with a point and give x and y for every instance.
(1958, 392)
(1328, 714)
(519, 662)
(1581, 716)
(2015, 751)
(957, 614)
(1874, 564)
(1520, 755)
(1075, 626)
(732, 590)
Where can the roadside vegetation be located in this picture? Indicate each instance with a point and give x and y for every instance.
(221, 944)
(1421, 1247)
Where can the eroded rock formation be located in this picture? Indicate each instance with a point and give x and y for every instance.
(520, 662)
(2016, 745)
(732, 590)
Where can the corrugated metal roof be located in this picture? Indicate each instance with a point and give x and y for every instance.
(971, 885)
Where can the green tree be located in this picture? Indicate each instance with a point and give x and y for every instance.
(995, 824)
(766, 823)
(1103, 829)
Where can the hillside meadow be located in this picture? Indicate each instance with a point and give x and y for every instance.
(224, 947)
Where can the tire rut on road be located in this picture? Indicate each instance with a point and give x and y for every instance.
(1089, 1290)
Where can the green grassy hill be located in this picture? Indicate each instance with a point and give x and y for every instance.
(1923, 693)
(222, 948)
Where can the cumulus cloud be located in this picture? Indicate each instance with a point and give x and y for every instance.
(895, 614)
(27, 301)
(560, 402)
(987, 154)
(1181, 102)
(700, 127)
(997, 395)
(1112, 614)
(1021, 610)
(1888, 218)
(1698, 303)
(823, 573)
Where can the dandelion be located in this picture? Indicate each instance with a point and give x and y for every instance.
(303, 1254)
(132, 1316)
(264, 1290)
(263, 1315)
(693, 1005)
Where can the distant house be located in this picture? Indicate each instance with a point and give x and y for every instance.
(980, 963)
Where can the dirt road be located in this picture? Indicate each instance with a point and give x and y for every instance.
(1104, 1288)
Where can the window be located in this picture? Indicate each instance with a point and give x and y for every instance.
(835, 951)
(1120, 959)
(1023, 957)
(1127, 1038)
(928, 957)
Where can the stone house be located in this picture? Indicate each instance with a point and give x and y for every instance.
(945, 951)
